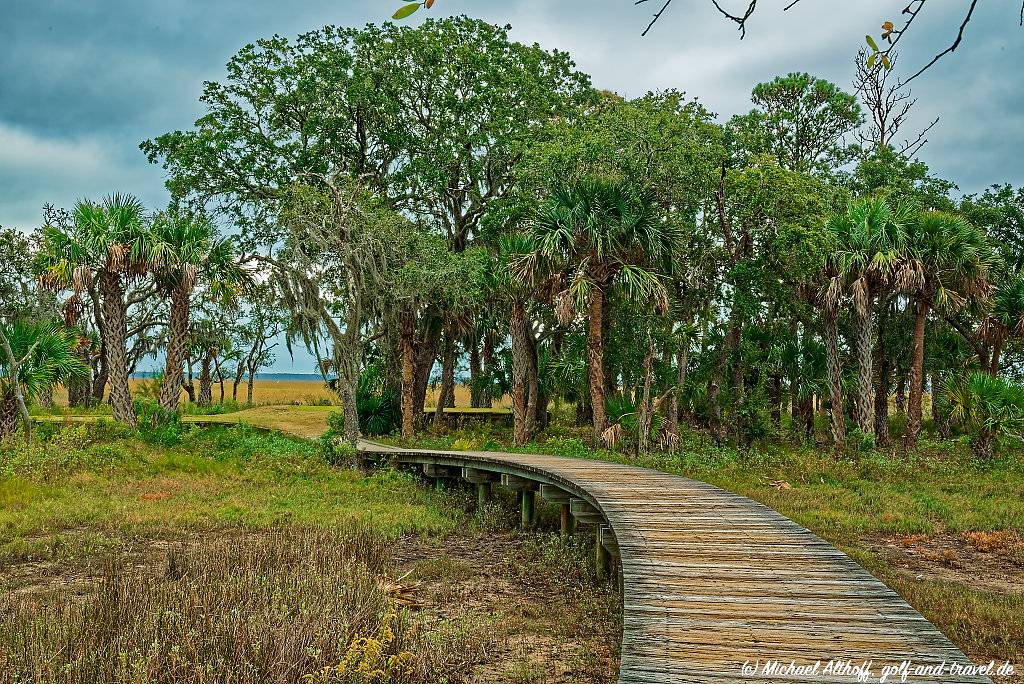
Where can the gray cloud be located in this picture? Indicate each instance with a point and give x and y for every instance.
(82, 82)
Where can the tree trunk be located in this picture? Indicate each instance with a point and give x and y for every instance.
(190, 387)
(249, 382)
(406, 342)
(682, 359)
(595, 362)
(446, 395)
(865, 334)
(347, 359)
(997, 350)
(425, 349)
(239, 373)
(9, 415)
(115, 362)
(643, 418)
(80, 389)
(983, 445)
(532, 381)
(914, 409)
(487, 398)
(775, 398)
(177, 339)
(206, 378)
(520, 372)
(100, 371)
(731, 341)
(475, 372)
(835, 377)
(901, 393)
(882, 368)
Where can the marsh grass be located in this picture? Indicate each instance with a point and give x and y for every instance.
(245, 608)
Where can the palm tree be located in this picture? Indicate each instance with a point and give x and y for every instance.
(872, 245)
(186, 248)
(1005, 320)
(33, 358)
(108, 244)
(601, 234)
(949, 263)
(989, 406)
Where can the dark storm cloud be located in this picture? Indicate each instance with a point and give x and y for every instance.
(82, 82)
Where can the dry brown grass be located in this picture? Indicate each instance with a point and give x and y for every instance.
(288, 604)
(303, 421)
(308, 392)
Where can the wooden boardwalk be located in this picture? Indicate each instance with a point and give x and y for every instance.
(715, 584)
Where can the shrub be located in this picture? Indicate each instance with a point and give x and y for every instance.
(989, 407)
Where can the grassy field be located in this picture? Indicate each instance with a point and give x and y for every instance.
(944, 531)
(312, 570)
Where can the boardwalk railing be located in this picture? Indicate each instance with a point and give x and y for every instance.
(717, 587)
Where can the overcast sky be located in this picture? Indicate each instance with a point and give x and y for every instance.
(82, 82)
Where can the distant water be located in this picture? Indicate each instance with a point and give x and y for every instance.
(291, 377)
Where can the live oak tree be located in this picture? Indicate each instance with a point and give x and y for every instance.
(432, 120)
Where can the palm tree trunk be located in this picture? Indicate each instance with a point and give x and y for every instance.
(835, 377)
(520, 371)
(997, 350)
(115, 362)
(9, 414)
(595, 361)
(177, 339)
(865, 333)
(916, 375)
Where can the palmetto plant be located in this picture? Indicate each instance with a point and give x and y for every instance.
(601, 234)
(106, 246)
(948, 265)
(34, 356)
(988, 406)
(872, 246)
(1006, 318)
(185, 250)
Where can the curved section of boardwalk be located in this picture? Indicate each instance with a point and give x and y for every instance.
(713, 581)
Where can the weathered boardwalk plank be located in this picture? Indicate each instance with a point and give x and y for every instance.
(713, 581)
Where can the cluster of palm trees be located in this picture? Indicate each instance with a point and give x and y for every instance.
(934, 259)
(99, 253)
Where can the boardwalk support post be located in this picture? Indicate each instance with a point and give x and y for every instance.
(553, 494)
(527, 509)
(440, 473)
(525, 489)
(584, 512)
(567, 523)
(482, 479)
